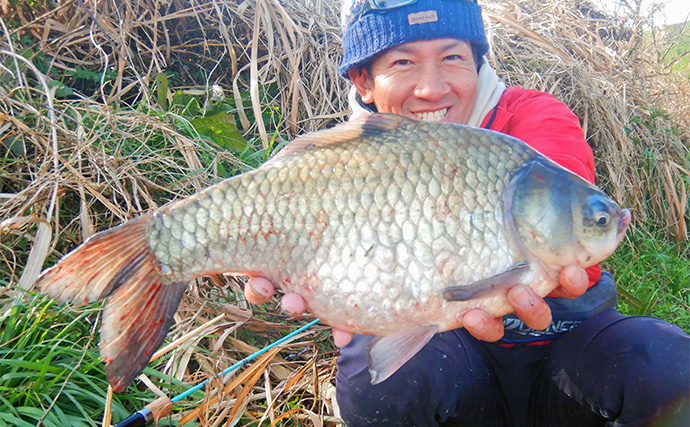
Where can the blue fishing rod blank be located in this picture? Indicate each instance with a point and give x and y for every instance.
(163, 406)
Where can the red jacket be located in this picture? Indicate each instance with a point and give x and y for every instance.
(548, 126)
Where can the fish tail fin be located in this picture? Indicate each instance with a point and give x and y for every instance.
(117, 263)
(100, 265)
(136, 320)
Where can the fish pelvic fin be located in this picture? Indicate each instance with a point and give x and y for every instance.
(136, 320)
(100, 265)
(385, 355)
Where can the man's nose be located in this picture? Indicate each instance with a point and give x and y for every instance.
(430, 84)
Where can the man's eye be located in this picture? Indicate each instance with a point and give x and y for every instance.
(402, 62)
(454, 58)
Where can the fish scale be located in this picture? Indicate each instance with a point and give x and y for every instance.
(389, 226)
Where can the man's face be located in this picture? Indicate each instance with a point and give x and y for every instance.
(433, 80)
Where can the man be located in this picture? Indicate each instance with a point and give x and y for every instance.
(569, 359)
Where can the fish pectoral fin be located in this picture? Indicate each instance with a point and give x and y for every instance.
(488, 286)
(136, 319)
(388, 353)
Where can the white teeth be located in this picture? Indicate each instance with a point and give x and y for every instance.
(432, 116)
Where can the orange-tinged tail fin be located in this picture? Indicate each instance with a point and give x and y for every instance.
(98, 266)
(136, 320)
(118, 264)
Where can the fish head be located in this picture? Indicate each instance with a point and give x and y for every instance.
(599, 225)
(561, 219)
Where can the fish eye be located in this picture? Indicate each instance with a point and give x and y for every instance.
(601, 218)
(600, 212)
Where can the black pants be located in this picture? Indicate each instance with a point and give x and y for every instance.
(611, 370)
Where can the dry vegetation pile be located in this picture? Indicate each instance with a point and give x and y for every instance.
(115, 144)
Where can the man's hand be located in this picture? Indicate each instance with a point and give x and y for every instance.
(259, 291)
(529, 307)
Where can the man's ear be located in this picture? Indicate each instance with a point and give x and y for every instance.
(360, 78)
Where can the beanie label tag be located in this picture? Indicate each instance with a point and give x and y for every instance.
(422, 17)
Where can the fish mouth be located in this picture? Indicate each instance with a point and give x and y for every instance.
(432, 116)
(623, 223)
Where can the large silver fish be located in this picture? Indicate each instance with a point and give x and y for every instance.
(388, 226)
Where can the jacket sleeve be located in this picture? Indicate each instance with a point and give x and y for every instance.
(550, 127)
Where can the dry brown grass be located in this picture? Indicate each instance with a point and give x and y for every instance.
(84, 163)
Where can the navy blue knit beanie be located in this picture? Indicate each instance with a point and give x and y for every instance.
(366, 36)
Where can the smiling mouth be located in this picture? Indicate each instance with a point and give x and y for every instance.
(432, 116)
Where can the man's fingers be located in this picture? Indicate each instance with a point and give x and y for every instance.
(530, 307)
(293, 304)
(573, 281)
(259, 290)
(482, 326)
(533, 310)
(341, 338)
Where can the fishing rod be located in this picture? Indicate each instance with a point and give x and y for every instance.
(163, 406)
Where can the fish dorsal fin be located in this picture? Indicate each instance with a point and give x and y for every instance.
(340, 134)
(388, 353)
